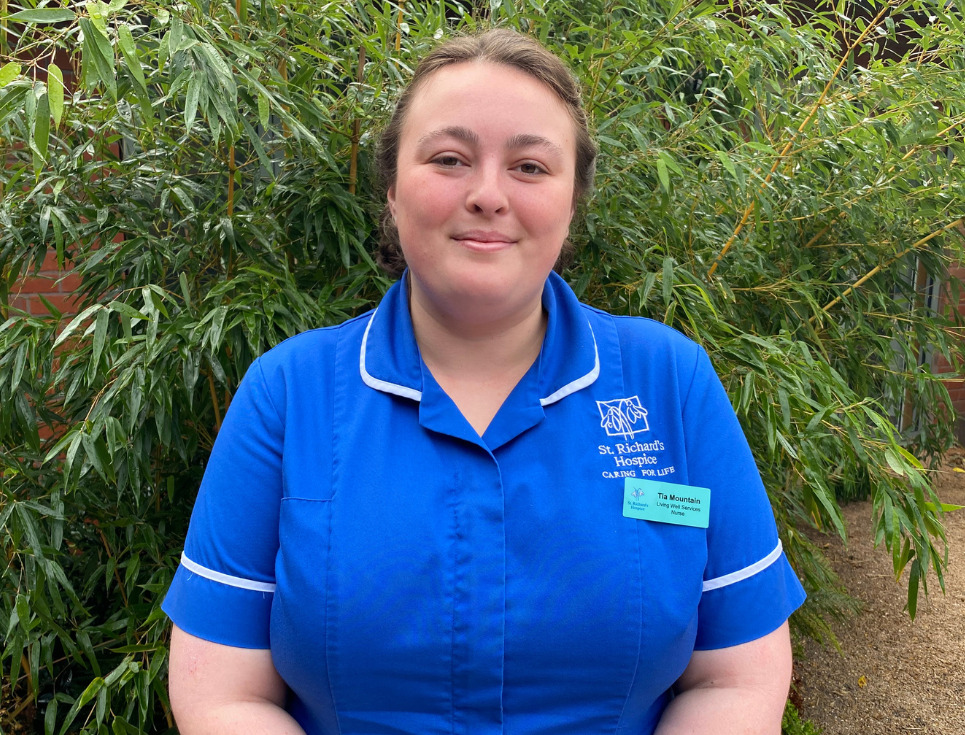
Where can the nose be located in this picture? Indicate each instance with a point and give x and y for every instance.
(487, 193)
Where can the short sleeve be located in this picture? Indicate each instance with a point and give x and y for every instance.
(223, 589)
(749, 588)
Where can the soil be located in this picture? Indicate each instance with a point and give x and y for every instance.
(893, 675)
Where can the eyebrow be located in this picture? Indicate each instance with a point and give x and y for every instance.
(453, 131)
(520, 140)
(525, 140)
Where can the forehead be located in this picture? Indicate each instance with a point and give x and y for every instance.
(495, 97)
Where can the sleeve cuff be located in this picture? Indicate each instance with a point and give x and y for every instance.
(219, 612)
(749, 606)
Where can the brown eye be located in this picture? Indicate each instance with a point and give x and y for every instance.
(531, 168)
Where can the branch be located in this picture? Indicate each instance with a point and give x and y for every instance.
(214, 403)
(878, 268)
(353, 166)
(398, 27)
(783, 154)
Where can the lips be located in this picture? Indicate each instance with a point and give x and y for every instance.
(484, 240)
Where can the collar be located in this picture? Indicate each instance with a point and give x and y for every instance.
(389, 359)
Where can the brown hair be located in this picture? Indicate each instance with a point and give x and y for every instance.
(497, 46)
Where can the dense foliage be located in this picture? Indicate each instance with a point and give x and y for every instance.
(779, 184)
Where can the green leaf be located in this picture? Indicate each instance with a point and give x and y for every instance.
(127, 310)
(910, 458)
(894, 462)
(100, 334)
(217, 63)
(728, 164)
(98, 12)
(191, 102)
(98, 456)
(50, 717)
(945, 507)
(86, 696)
(185, 290)
(913, 579)
(9, 72)
(125, 41)
(785, 409)
(76, 322)
(20, 361)
(43, 16)
(55, 92)
(264, 111)
(668, 280)
(98, 57)
(41, 139)
(23, 612)
(663, 174)
(255, 140)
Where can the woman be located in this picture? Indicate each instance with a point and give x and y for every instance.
(483, 507)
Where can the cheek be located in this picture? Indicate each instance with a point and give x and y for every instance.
(549, 212)
(423, 201)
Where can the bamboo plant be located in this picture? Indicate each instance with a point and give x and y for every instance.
(780, 183)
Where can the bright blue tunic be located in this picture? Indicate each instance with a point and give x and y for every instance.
(412, 577)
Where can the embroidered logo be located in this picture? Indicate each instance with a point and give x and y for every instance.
(623, 417)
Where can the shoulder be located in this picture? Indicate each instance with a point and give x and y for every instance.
(302, 369)
(312, 348)
(646, 338)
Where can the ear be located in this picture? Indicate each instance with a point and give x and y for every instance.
(390, 198)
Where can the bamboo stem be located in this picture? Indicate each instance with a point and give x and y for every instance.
(823, 232)
(4, 10)
(167, 713)
(214, 403)
(908, 407)
(117, 575)
(878, 268)
(31, 692)
(398, 28)
(283, 72)
(232, 167)
(353, 166)
(749, 210)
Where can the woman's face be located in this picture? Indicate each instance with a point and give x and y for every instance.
(483, 195)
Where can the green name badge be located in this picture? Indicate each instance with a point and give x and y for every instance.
(664, 502)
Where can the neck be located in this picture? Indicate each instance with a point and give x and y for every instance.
(478, 347)
(478, 361)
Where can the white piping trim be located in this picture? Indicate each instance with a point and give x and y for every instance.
(382, 385)
(579, 383)
(746, 572)
(240, 582)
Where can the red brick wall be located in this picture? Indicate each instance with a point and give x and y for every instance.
(56, 285)
(956, 386)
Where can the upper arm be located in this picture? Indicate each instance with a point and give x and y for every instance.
(209, 672)
(762, 666)
(740, 690)
(206, 680)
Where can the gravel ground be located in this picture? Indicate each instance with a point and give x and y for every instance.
(894, 675)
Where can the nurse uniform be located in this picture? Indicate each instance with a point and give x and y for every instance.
(412, 577)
